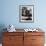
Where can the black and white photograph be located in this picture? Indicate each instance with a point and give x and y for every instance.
(26, 13)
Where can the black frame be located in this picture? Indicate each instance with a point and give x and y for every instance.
(26, 13)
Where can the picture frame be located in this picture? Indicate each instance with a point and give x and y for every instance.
(26, 13)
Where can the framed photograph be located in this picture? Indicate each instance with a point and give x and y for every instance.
(26, 13)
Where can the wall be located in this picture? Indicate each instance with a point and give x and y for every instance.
(9, 13)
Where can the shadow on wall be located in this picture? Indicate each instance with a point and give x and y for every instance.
(2, 26)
